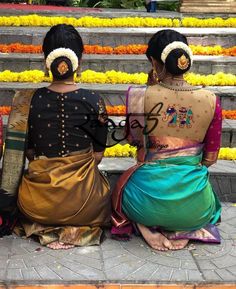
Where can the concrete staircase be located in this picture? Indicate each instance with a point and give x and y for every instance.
(215, 6)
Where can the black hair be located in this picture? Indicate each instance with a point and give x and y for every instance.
(157, 44)
(62, 36)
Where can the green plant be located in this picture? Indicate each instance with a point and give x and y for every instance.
(169, 6)
(127, 4)
(130, 4)
(39, 2)
(109, 4)
(78, 3)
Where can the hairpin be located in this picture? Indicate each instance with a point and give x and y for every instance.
(183, 62)
(62, 68)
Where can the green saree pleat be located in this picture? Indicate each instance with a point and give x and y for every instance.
(182, 201)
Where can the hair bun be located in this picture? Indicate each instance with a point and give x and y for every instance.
(178, 61)
(61, 68)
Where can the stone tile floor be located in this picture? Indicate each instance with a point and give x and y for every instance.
(25, 260)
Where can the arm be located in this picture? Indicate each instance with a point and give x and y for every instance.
(101, 132)
(30, 152)
(213, 138)
(1, 136)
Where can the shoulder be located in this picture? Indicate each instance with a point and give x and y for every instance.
(23, 96)
(89, 94)
(206, 92)
(207, 95)
(41, 90)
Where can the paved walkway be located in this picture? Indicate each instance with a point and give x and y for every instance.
(21, 9)
(134, 261)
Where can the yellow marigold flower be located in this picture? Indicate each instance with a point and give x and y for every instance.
(119, 150)
(89, 21)
(227, 153)
(113, 77)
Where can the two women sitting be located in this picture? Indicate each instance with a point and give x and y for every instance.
(65, 200)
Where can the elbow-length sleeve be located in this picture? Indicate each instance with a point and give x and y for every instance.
(1, 136)
(212, 139)
(100, 140)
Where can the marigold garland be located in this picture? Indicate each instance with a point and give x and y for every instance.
(114, 77)
(213, 50)
(227, 154)
(119, 150)
(121, 49)
(89, 21)
(5, 110)
(130, 151)
(116, 109)
(229, 114)
(20, 48)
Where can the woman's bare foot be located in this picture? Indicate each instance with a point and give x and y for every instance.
(155, 240)
(179, 244)
(59, 245)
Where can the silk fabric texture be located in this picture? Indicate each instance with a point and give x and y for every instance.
(65, 190)
(165, 192)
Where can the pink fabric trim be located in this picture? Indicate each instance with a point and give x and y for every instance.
(1, 131)
(122, 233)
(213, 136)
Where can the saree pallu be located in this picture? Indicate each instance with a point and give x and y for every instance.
(65, 199)
(13, 159)
(186, 203)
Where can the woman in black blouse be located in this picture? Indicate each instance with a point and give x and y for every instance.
(64, 198)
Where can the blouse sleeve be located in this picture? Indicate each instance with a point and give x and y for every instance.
(99, 144)
(212, 139)
(1, 136)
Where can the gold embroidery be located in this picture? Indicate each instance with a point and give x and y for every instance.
(209, 158)
(62, 68)
(183, 62)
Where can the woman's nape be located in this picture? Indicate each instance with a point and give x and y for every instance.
(170, 57)
(63, 48)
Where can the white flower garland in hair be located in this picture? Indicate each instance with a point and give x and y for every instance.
(176, 45)
(59, 52)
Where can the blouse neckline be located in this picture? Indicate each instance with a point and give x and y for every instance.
(62, 93)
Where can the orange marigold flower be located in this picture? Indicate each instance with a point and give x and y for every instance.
(116, 109)
(229, 114)
(5, 110)
(121, 49)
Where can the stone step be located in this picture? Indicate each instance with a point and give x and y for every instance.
(215, 6)
(222, 175)
(114, 94)
(225, 37)
(128, 63)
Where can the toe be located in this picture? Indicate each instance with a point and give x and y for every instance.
(167, 244)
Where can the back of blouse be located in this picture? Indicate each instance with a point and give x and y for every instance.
(185, 119)
(62, 123)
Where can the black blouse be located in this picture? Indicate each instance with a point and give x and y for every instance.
(61, 123)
